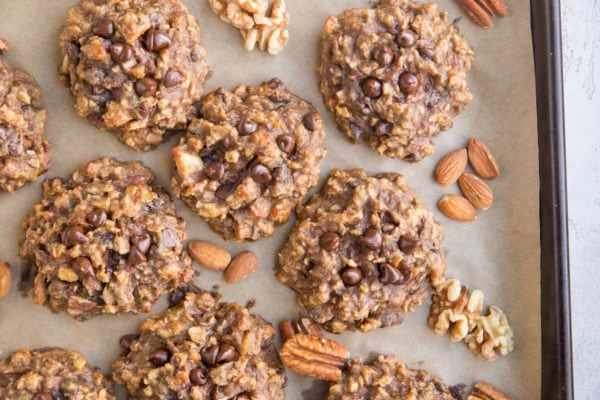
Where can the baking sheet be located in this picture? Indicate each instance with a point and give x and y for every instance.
(498, 253)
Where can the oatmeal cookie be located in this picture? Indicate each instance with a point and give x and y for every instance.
(202, 349)
(24, 153)
(104, 241)
(250, 159)
(387, 378)
(364, 251)
(395, 75)
(52, 374)
(135, 67)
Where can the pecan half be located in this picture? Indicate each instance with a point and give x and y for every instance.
(305, 326)
(476, 12)
(485, 391)
(313, 356)
(499, 7)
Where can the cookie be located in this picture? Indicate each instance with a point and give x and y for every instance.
(104, 241)
(363, 252)
(135, 67)
(52, 374)
(387, 378)
(202, 349)
(24, 153)
(395, 75)
(250, 159)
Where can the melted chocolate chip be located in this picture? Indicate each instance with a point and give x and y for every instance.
(142, 242)
(127, 340)
(329, 241)
(369, 271)
(227, 353)
(371, 87)
(121, 52)
(197, 376)
(172, 78)
(389, 274)
(407, 38)
(408, 244)
(73, 235)
(225, 190)
(426, 52)
(135, 256)
(409, 83)
(160, 357)
(310, 121)
(383, 55)
(157, 40)
(177, 296)
(96, 218)
(383, 128)
(215, 170)
(209, 355)
(286, 143)
(372, 239)
(104, 28)
(145, 87)
(83, 266)
(247, 126)
(261, 174)
(352, 276)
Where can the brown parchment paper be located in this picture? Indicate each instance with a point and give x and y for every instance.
(498, 253)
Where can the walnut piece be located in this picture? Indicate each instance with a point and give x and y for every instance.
(259, 22)
(492, 336)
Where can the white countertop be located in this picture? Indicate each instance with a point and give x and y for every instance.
(581, 61)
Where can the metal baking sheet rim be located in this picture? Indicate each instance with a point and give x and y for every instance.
(557, 367)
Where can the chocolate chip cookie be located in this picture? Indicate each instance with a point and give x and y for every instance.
(202, 349)
(387, 378)
(24, 153)
(104, 241)
(250, 159)
(363, 252)
(52, 374)
(395, 75)
(135, 67)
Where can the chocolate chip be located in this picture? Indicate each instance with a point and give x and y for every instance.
(369, 271)
(127, 340)
(409, 83)
(225, 190)
(247, 126)
(407, 244)
(215, 170)
(104, 28)
(157, 40)
(426, 52)
(135, 256)
(372, 239)
(197, 376)
(243, 396)
(142, 242)
(73, 235)
(83, 266)
(172, 78)
(434, 99)
(383, 55)
(121, 52)
(310, 121)
(389, 274)
(176, 297)
(43, 396)
(209, 355)
(383, 128)
(371, 87)
(407, 38)
(96, 218)
(145, 87)
(227, 353)
(329, 241)
(351, 276)
(261, 174)
(286, 143)
(160, 357)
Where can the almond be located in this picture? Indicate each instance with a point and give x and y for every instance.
(457, 208)
(5, 276)
(451, 167)
(241, 266)
(209, 255)
(482, 160)
(476, 191)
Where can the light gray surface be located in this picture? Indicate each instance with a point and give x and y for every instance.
(581, 42)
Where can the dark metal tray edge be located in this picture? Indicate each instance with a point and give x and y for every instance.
(557, 368)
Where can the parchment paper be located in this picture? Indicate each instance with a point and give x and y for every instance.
(498, 253)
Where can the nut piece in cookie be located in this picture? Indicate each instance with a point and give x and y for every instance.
(104, 241)
(395, 75)
(387, 378)
(52, 374)
(250, 159)
(363, 252)
(135, 67)
(24, 152)
(202, 349)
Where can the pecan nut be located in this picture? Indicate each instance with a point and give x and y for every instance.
(313, 356)
(476, 13)
(485, 391)
(305, 326)
(5, 276)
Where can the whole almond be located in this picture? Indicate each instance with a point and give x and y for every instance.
(482, 160)
(451, 167)
(209, 255)
(5, 276)
(457, 208)
(476, 191)
(240, 267)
